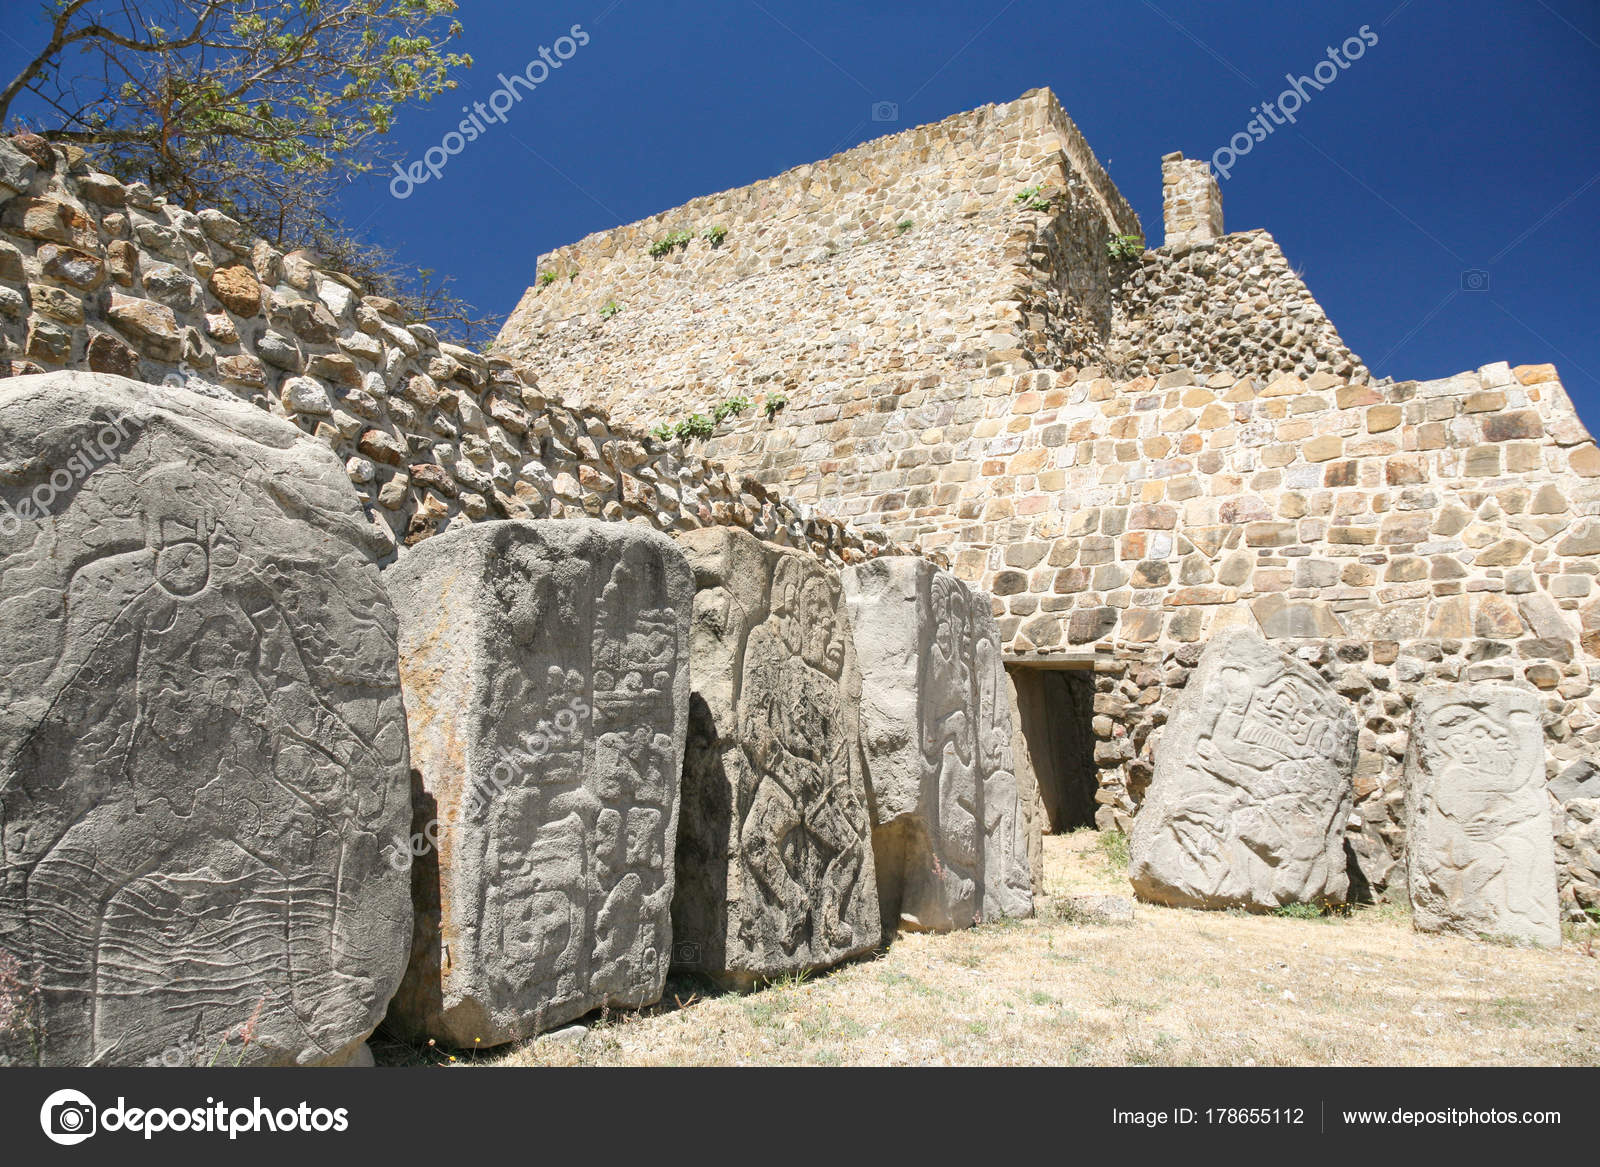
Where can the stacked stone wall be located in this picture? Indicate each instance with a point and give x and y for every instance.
(1232, 303)
(99, 275)
(1399, 534)
(840, 270)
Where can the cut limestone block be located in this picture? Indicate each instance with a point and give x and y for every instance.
(775, 868)
(1479, 843)
(546, 681)
(1252, 787)
(949, 831)
(202, 739)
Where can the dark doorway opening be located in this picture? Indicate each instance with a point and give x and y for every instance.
(1056, 707)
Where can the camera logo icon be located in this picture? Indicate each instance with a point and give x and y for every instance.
(1474, 280)
(68, 1117)
(886, 111)
(686, 952)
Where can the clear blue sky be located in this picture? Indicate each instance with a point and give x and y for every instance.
(1467, 140)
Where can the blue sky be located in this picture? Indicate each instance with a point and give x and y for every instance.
(1440, 197)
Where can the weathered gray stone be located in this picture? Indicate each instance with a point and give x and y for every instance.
(546, 676)
(1252, 786)
(1028, 797)
(202, 738)
(1579, 780)
(775, 869)
(949, 834)
(1479, 848)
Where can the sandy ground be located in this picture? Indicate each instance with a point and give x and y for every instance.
(1176, 987)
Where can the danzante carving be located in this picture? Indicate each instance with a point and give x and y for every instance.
(546, 677)
(936, 723)
(775, 867)
(202, 743)
(1480, 854)
(1252, 786)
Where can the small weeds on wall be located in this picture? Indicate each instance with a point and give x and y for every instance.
(1125, 248)
(1033, 198)
(732, 407)
(698, 425)
(670, 243)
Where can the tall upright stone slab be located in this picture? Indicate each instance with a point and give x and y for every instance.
(1479, 845)
(949, 831)
(775, 865)
(1252, 786)
(546, 677)
(202, 739)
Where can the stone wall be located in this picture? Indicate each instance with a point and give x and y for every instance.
(1399, 534)
(1191, 202)
(1229, 303)
(99, 275)
(1129, 454)
(838, 273)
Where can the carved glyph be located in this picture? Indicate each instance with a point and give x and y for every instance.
(948, 830)
(1252, 786)
(1480, 849)
(545, 672)
(202, 743)
(775, 865)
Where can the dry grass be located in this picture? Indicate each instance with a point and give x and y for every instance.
(1176, 988)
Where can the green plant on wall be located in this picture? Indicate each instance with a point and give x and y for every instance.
(904, 225)
(696, 425)
(662, 432)
(1125, 248)
(732, 407)
(715, 235)
(773, 403)
(669, 243)
(1033, 198)
(610, 310)
(546, 279)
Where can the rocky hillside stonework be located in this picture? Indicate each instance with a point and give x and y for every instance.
(111, 277)
(1480, 861)
(546, 676)
(1252, 787)
(949, 832)
(202, 741)
(775, 870)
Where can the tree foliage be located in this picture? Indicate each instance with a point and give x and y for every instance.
(263, 110)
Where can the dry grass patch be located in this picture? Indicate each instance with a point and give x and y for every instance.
(1176, 987)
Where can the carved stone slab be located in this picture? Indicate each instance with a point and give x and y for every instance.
(1252, 786)
(202, 739)
(546, 677)
(949, 832)
(775, 866)
(1480, 850)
